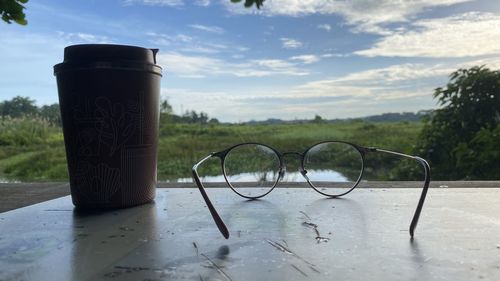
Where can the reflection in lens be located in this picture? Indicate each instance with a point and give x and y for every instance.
(211, 171)
(252, 170)
(333, 168)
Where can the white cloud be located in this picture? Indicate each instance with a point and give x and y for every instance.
(489, 62)
(370, 27)
(325, 26)
(273, 63)
(330, 55)
(80, 37)
(394, 82)
(200, 50)
(204, 3)
(356, 10)
(166, 40)
(368, 16)
(396, 74)
(396, 88)
(192, 44)
(364, 15)
(170, 3)
(244, 105)
(289, 43)
(202, 66)
(232, 106)
(267, 67)
(185, 43)
(471, 34)
(307, 59)
(183, 65)
(211, 29)
(184, 38)
(406, 87)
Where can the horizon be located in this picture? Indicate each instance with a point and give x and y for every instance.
(270, 119)
(287, 61)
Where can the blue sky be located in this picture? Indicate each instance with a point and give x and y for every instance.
(292, 59)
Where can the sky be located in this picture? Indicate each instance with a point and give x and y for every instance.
(293, 59)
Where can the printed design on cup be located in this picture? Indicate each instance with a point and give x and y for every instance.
(108, 128)
(100, 181)
(111, 145)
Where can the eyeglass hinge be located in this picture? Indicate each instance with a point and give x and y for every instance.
(219, 154)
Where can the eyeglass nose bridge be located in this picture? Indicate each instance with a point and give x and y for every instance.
(301, 166)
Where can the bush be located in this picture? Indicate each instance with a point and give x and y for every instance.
(459, 139)
(25, 131)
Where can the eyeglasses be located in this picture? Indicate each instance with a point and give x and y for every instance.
(332, 168)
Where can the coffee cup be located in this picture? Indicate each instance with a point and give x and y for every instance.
(109, 101)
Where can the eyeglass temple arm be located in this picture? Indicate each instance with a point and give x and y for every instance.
(427, 169)
(218, 221)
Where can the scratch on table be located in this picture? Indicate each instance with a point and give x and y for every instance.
(318, 237)
(284, 249)
(112, 274)
(120, 269)
(280, 247)
(313, 225)
(132, 268)
(218, 268)
(284, 241)
(126, 228)
(195, 247)
(298, 269)
(307, 217)
(314, 269)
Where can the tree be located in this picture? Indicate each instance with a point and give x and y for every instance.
(51, 113)
(18, 107)
(213, 121)
(318, 119)
(13, 10)
(460, 140)
(166, 108)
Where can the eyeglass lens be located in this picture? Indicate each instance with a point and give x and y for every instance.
(333, 168)
(252, 170)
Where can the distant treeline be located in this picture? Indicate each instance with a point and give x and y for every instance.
(19, 107)
(398, 117)
(385, 117)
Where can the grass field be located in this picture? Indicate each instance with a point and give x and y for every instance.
(33, 150)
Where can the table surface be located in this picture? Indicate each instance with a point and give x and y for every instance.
(364, 236)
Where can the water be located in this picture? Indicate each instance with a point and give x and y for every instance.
(4, 180)
(319, 175)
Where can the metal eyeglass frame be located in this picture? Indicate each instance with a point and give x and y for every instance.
(361, 149)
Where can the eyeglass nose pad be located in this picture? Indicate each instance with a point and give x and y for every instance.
(282, 173)
(304, 173)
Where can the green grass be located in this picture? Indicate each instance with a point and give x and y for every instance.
(32, 150)
(178, 153)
